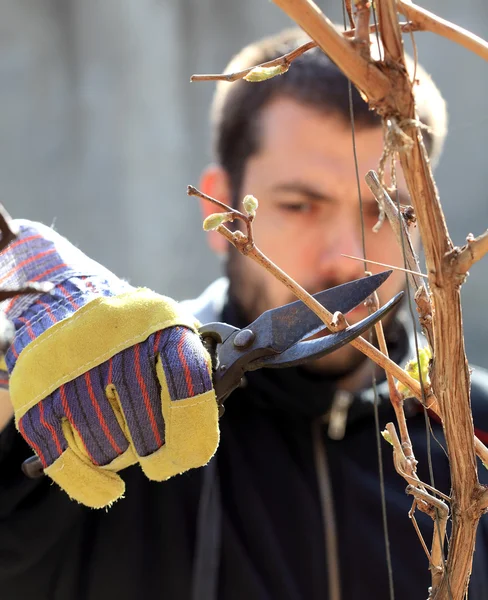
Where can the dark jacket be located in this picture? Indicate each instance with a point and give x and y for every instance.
(277, 513)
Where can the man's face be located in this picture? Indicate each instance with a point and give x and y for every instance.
(308, 217)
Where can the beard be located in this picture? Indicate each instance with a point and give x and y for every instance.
(250, 298)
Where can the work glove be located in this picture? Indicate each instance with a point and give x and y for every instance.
(103, 375)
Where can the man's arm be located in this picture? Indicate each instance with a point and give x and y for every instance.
(6, 409)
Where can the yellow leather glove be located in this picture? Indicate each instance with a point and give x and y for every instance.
(101, 381)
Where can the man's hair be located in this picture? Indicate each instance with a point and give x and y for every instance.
(314, 80)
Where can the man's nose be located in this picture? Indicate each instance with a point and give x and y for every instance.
(345, 239)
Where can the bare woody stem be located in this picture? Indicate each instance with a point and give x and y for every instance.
(428, 21)
(474, 250)
(395, 397)
(284, 60)
(192, 191)
(426, 502)
(439, 513)
(402, 468)
(348, 7)
(450, 375)
(389, 30)
(361, 37)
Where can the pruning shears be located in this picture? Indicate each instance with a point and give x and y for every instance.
(278, 338)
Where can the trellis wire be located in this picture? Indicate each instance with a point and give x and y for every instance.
(379, 451)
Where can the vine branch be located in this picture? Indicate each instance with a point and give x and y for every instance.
(283, 61)
(427, 21)
(389, 91)
(465, 257)
(387, 87)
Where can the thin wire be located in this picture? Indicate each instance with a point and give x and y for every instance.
(356, 166)
(386, 534)
(379, 438)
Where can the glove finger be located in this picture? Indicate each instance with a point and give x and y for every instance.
(42, 430)
(84, 403)
(81, 480)
(51, 439)
(138, 391)
(188, 404)
(185, 362)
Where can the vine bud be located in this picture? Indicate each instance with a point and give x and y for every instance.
(412, 368)
(263, 73)
(215, 220)
(250, 204)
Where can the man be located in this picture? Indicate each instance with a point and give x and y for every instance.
(290, 506)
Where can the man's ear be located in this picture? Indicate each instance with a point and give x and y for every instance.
(215, 182)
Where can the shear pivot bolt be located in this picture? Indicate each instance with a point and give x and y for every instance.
(244, 338)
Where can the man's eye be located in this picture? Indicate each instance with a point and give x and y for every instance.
(296, 207)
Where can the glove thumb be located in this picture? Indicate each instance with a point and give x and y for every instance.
(191, 433)
(81, 480)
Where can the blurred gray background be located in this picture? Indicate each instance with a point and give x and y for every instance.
(101, 131)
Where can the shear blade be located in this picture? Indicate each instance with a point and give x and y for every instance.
(293, 322)
(310, 350)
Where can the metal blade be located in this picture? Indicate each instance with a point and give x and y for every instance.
(285, 326)
(313, 349)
